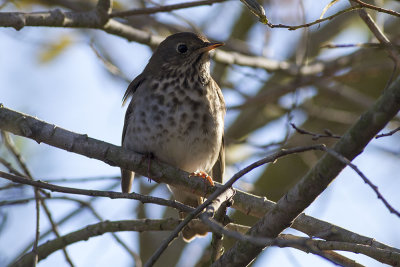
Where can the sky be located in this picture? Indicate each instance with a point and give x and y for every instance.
(75, 92)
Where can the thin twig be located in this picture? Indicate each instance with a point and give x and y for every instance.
(67, 217)
(302, 244)
(296, 27)
(39, 201)
(388, 133)
(35, 129)
(222, 189)
(378, 33)
(315, 136)
(97, 193)
(365, 179)
(152, 10)
(379, 9)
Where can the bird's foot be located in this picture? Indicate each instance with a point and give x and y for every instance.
(203, 175)
(149, 157)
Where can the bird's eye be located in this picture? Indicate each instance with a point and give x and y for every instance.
(182, 48)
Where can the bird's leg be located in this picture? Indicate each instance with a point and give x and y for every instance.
(205, 176)
(149, 156)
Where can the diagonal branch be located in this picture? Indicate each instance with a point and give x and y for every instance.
(318, 178)
(40, 131)
(392, 51)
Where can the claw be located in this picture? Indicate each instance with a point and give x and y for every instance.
(204, 176)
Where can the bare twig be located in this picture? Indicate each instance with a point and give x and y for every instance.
(315, 136)
(152, 10)
(58, 18)
(221, 192)
(378, 33)
(67, 217)
(306, 25)
(303, 244)
(379, 9)
(223, 189)
(97, 193)
(38, 199)
(318, 178)
(388, 133)
(25, 125)
(365, 179)
(361, 45)
(95, 230)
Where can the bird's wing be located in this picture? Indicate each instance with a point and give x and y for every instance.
(218, 170)
(129, 92)
(132, 87)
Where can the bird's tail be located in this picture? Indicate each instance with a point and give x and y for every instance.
(126, 180)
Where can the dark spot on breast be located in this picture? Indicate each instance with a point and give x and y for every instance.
(185, 83)
(175, 101)
(172, 93)
(157, 117)
(175, 82)
(154, 108)
(171, 121)
(154, 86)
(183, 117)
(165, 131)
(159, 126)
(160, 99)
(191, 126)
(181, 91)
(206, 118)
(166, 86)
(161, 113)
(196, 115)
(205, 123)
(195, 104)
(142, 114)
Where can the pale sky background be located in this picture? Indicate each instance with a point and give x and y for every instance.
(74, 92)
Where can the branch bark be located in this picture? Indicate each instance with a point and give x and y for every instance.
(40, 131)
(318, 178)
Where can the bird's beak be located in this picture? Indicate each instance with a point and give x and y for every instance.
(210, 46)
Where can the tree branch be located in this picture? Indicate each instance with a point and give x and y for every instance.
(152, 10)
(393, 53)
(92, 20)
(40, 131)
(97, 193)
(318, 178)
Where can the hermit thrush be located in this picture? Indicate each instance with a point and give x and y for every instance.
(177, 113)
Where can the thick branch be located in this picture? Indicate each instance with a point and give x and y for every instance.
(40, 131)
(318, 178)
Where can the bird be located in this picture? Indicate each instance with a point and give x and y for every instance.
(176, 114)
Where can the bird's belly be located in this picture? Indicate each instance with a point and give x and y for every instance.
(184, 140)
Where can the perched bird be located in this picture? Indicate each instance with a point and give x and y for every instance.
(177, 113)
